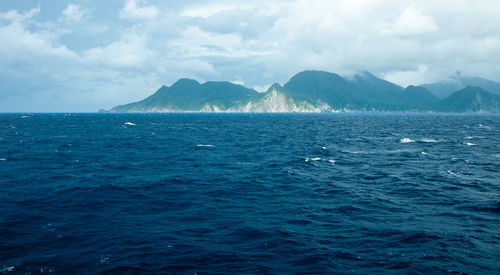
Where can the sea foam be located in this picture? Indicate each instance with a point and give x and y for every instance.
(406, 140)
(428, 140)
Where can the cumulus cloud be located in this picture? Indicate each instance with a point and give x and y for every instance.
(22, 46)
(133, 10)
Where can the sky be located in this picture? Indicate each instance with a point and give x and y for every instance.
(82, 56)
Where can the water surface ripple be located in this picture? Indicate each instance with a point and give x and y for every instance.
(219, 194)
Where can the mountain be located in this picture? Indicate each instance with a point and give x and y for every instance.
(311, 91)
(189, 95)
(279, 100)
(419, 98)
(445, 88)
(379, 94)
(471, 100)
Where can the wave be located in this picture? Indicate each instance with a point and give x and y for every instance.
(205, 145)
(406, 140)
(311, 159)
(428, 140)
(129, 123)
(456, 174)
(484, 127)
(470, 144)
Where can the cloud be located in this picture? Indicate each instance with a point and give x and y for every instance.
(195, 42)
(23, 47)
(130, 52)
(133, 10)
(74, 13)
(15, 16)
(412, 21)
(256, 42)
(209, 10)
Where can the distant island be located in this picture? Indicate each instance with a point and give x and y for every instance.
(319, 91)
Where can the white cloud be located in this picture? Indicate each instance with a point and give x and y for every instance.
(413, 21)
(74, 13)
(20, 46)
(209, 10)
(238, 82)
(133, 10)
(130, 52)
(15, 16)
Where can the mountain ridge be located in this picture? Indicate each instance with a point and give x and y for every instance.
(311, 91)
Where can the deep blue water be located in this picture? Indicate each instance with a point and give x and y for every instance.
(215, 194)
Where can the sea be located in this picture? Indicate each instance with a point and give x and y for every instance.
(348, 193)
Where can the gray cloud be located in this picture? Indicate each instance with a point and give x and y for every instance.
(83, 59)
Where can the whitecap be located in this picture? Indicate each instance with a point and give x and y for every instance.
(205, 145)
(331, 160)
(7, 269)
(3, 159)
(313, 159)
(470, 144)
(406, 140)
(453, 173)
(469, 137)
(428, 140)
(129, 123)
(484, 127)
(323, 147)
(424, 153)
(24, 116)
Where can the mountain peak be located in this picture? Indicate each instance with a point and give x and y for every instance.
(183, 82)
(276, 86)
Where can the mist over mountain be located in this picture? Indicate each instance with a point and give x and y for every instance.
(319, 91)
(457, 82)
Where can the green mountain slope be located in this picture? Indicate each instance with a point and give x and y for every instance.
(319, 87)
(419, 98)
(189, 95)
(470, 99)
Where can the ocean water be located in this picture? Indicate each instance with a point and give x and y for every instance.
(262, 194)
